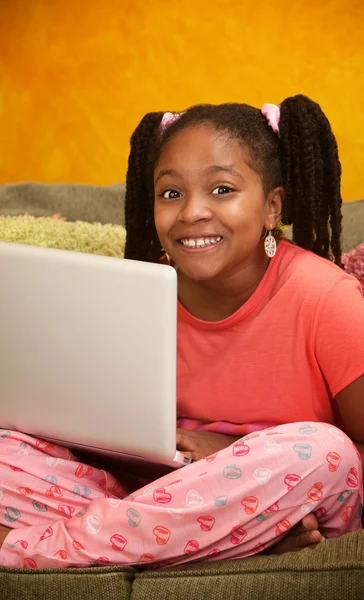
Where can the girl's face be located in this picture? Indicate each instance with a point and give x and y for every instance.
(210, 209)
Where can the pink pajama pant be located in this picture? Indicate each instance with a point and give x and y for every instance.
(235, 503)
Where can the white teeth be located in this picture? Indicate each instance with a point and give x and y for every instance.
(200, 242)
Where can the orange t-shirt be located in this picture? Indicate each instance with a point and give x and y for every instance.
(282, 357)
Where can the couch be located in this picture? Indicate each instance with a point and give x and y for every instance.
(333, 571)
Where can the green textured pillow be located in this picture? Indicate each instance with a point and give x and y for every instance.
(93, 238)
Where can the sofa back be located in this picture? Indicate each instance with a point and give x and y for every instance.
(105, 204)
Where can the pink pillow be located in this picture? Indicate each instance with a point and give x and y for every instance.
(353, 262)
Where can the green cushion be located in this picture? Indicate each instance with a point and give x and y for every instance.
(352, 225)
(76, 202)
(94, 238)
(72, 584)
(333, 571)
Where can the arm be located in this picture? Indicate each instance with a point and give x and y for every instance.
(338, 330)
(350, 408)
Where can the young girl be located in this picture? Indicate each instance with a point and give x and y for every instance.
(270, 347)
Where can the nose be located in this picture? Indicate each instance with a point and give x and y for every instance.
(195, 208)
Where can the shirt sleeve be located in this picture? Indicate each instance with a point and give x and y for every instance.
(338, 333)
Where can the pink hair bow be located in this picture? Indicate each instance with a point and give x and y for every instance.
(167, 120)
(272, 113)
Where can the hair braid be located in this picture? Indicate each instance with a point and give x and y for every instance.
(311, 177)
(142, 241)
(333, 195)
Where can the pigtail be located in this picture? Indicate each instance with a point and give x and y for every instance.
(142, 241)
(311, 174)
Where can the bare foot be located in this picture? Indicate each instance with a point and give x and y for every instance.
(304, 535)
(3, 533)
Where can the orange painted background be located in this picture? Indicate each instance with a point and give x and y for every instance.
(76, 76)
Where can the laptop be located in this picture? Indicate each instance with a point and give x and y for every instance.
(88, 352)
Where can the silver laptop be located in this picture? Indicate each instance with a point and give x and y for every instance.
(88, 352)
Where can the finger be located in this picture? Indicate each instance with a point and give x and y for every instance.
(188, 454)
(181, 438)
(310, 546)
(308, 523)
(309, 538)
(184, 443)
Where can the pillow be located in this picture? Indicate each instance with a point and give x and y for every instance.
(352, 225)
(93, 238)
(353, 262)
(76, 201)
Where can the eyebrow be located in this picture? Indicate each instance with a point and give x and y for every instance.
(224, 168)
(167, 172)
(212, 169)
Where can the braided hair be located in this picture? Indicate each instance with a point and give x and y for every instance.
(303, 159)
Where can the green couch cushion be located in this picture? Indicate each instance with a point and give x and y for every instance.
(72, 584)
(333, 571)
(94, 238)
(352, 225)
(76, 202)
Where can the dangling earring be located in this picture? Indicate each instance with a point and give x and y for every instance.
(270, 244)
(165, 258)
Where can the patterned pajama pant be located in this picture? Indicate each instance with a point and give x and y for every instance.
(235, 503)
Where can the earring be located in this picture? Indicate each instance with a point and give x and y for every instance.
(270, 244)
(165, 258)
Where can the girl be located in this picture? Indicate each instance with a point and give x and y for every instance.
(270, 347)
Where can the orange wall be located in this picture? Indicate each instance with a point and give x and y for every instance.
(76, 76)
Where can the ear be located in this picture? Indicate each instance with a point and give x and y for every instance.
(274, 207)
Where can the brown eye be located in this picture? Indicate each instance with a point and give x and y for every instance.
(170, 194)
(222, 189)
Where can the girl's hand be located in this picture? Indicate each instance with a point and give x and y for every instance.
(199, 444)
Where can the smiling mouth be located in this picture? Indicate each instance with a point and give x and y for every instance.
(200, 243)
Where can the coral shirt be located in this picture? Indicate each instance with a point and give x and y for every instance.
(282, 357)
